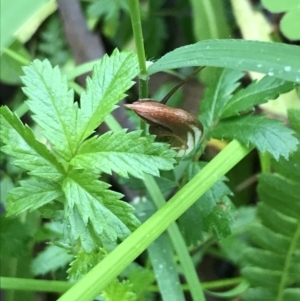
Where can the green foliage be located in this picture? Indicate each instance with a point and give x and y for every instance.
(91, 214)
(49, 260)
(211, 213)
(84, 262)
(217, 95)
(256, 93)
(266, 135)
(119, 291)
(289, 24)
(19, 237)
(275, 59)
(274, 258)
(52, 43)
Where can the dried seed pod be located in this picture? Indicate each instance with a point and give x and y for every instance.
(175, 126)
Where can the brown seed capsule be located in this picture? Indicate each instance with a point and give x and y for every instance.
(176, 126)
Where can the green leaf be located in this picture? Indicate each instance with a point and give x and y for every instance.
(266, 134)
(256, 93)
(124, 153)
(272, 267)
(121, 291)
(52, 43)
(289, 24)
(53, 106)
(140, 278)
(93, 210)
(209, 19)
(21, 144)
(279, 6)
(12, 61)
(161, 256)
(275, 59)
(12, 22)
(211, 213)
(33, 193)
(280, 194)
(112, 76)
(294, 118)
(50, 260)
(84, 262)
(14, 237)
(217, 94)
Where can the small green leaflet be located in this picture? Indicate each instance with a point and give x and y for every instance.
(124, 153)
(280, 193)
(53, 106)
(265, 134)
(211, 213)
(83, 263)
(121, 291)
(21, 144)
(50, 260)
(217, 94)
(97, 209)
(111, 77)
(32, 194)
(256, 93)
(63, 123)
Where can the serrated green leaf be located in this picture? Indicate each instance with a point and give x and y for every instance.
(50, 260)
(267, 239)
(211, 213)
(121, 291)
(32, 194)
(289, 168)
(280, 194)
(259, 293)
(84, 262)
(276, 221)
(52, 43)
(140, 278)
(124, 153)
(112, 76)
(266, 135)
(53, 106)
(256, 93)
(217, 94)
(30, 154)
(93, 210)
(276, 59)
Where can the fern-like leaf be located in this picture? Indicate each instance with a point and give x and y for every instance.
(124, 153)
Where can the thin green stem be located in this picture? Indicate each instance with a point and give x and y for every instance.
(9, 283)
(16, 56)
(112, 265)
(54, 286)
(139, 42)
(178, 243)
(265, 162)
